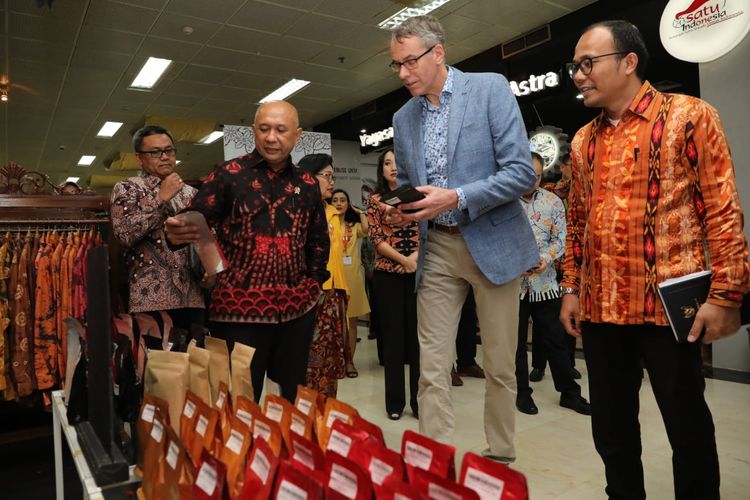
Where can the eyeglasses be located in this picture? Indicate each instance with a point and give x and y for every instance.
(327, 176)
(587, 64)
(409, 63)
(156, 153)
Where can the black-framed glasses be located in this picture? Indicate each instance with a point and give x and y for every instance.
(409, 63)
(587, 64)
(156, 153)
(327, 176)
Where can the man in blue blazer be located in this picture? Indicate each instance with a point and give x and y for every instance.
(462, 142)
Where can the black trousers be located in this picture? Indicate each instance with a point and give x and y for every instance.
(187, 316)
(615, 355)
(548, 328)
(281, 350)
(466, 337)
(397, 313)
(539, 354)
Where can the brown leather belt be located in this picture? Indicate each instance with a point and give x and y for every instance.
(444, 229)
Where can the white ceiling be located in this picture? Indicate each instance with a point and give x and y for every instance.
(69, 66)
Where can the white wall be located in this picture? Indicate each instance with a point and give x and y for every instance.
(351, 168)
(724, 85)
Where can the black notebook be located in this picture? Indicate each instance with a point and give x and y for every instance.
(682, 297)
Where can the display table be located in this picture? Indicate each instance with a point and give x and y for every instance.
(90, 489)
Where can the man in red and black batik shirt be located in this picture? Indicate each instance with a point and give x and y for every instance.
(271, 226)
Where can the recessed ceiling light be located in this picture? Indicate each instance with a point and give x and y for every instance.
(72, 179)
(212, 137)
(109, 129)
(86, 160)
(407, 12)
(291, 87)
(150, 73)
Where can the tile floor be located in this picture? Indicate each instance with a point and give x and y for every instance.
(555, 449)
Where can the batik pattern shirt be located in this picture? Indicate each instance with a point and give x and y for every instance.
(403, 239)
(546, 215)
(159, 277)
(650, 198)
(272, 229)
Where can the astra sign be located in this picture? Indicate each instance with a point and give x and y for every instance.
(535, 83)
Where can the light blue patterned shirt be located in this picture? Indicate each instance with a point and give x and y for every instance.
(546, 214)
(435, 140)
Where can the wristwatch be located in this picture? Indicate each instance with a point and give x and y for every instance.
(566, 290)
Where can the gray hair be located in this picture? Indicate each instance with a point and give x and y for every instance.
(427, 28)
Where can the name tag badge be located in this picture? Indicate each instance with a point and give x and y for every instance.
(347, 260)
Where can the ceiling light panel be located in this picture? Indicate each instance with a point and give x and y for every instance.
(86, 160)
(289, 88)
(212, 137)
(109, 129)
(407, 12)
(150, 73)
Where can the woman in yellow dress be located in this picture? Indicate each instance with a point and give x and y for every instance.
(354, 228)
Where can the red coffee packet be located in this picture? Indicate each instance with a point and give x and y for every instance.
(441, 488)
(492, 480)
(367, 426)
(346, 479)
(343, 436)
(424, 453)
(380, 462)
(306, 453)
(210, 477)
(260, 472)
(293, 484)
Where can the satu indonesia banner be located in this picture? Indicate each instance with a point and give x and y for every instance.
(703, 30)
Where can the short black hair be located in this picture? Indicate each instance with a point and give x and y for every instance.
(314, 163)
(147, 131)
(627, 38)
(537, 156)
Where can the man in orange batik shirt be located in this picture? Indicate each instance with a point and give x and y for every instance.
(653, 192)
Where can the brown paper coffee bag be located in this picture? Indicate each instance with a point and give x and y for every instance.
(242, 382)
(218, 370)
(200, 359)
(167, 377)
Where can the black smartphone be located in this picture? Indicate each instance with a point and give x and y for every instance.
(402, 194)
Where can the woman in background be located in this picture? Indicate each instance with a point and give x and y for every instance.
(355, 228)
(327, 361)
(397, 250)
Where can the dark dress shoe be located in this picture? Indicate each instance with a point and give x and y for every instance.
(525, 404)
(474, 371)
(575, 373)
(576, 403)
(536, 375)
(455, 379)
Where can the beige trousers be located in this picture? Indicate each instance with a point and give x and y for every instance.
(448, 273)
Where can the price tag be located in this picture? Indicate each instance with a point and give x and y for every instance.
(344, 481)
(336, 415)
(290, 491)
(157, 431)
(262, 429)
(148, 413)
(418, 455)
(488, 487)
(189, 409)
(379, 470)
(245, 417)
(340, 443)
(274, 411)
(207, 479)
(172, 454)
(298, 425)
(202, 425)
(235, 441)
(304, 406)
(261, 466)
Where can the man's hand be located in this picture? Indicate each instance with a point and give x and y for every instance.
(718, 321)
(178, 232)
(436, 200)
(570, 315)
(208, 281)
(170, 186)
